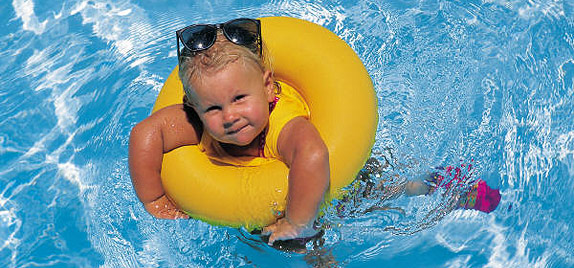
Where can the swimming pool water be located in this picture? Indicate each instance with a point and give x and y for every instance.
(484, 82)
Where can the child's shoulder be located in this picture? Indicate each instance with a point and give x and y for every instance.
(167, 115)
(174, 109)
(178, 124)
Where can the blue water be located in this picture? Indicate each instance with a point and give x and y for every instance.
(485, 82)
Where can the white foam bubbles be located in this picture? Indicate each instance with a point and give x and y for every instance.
(121, 24)
(25, 11)
(71, 173)
(9, 226)
(501, 245)
(565, 145)
(46, 64)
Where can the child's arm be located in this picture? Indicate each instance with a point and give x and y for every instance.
(303, 150)
(161, 132)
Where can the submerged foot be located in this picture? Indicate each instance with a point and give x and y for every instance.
(481, 197)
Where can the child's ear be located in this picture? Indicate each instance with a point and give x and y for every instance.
(269, 85)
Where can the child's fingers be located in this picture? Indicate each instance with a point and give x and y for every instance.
(269, 229)
(166, 214)
(282, 235)
(163, 208)
(181, 215)
(166, 211)
(276, 235)
(174, 214)
(281, 230)
(272, 239)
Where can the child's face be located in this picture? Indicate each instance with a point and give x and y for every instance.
(233, 103)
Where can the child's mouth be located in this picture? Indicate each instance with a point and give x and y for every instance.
(237, 130)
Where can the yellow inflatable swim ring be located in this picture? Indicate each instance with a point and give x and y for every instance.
(343, 107)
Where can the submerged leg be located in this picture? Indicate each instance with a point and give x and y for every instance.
(414, 188)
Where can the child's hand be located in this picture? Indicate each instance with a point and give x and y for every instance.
(285, 230)
(163, 208)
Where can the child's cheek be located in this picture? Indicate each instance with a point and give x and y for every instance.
(212, 125)
(216, 127)
(255, 110)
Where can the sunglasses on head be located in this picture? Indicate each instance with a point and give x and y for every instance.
(244, 32)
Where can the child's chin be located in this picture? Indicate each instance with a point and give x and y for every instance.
(242, 141)
(245, 139)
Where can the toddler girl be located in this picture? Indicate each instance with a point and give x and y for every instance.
(234, 111)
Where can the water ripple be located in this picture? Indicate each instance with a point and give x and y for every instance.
(488, 81)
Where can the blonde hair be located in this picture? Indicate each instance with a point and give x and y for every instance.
(193, 65)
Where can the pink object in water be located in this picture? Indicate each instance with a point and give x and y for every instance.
(487, 199)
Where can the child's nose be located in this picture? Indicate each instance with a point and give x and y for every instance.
(229, 117)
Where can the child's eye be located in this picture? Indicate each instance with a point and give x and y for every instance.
(212, 108)
(239, 97)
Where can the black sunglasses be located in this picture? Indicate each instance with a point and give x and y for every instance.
(244, 32)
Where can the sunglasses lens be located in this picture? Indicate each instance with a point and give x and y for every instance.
(199, 37)
(242, 32)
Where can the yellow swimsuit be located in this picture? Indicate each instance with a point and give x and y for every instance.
(289, 106)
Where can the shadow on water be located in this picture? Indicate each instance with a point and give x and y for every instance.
(312, 249)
